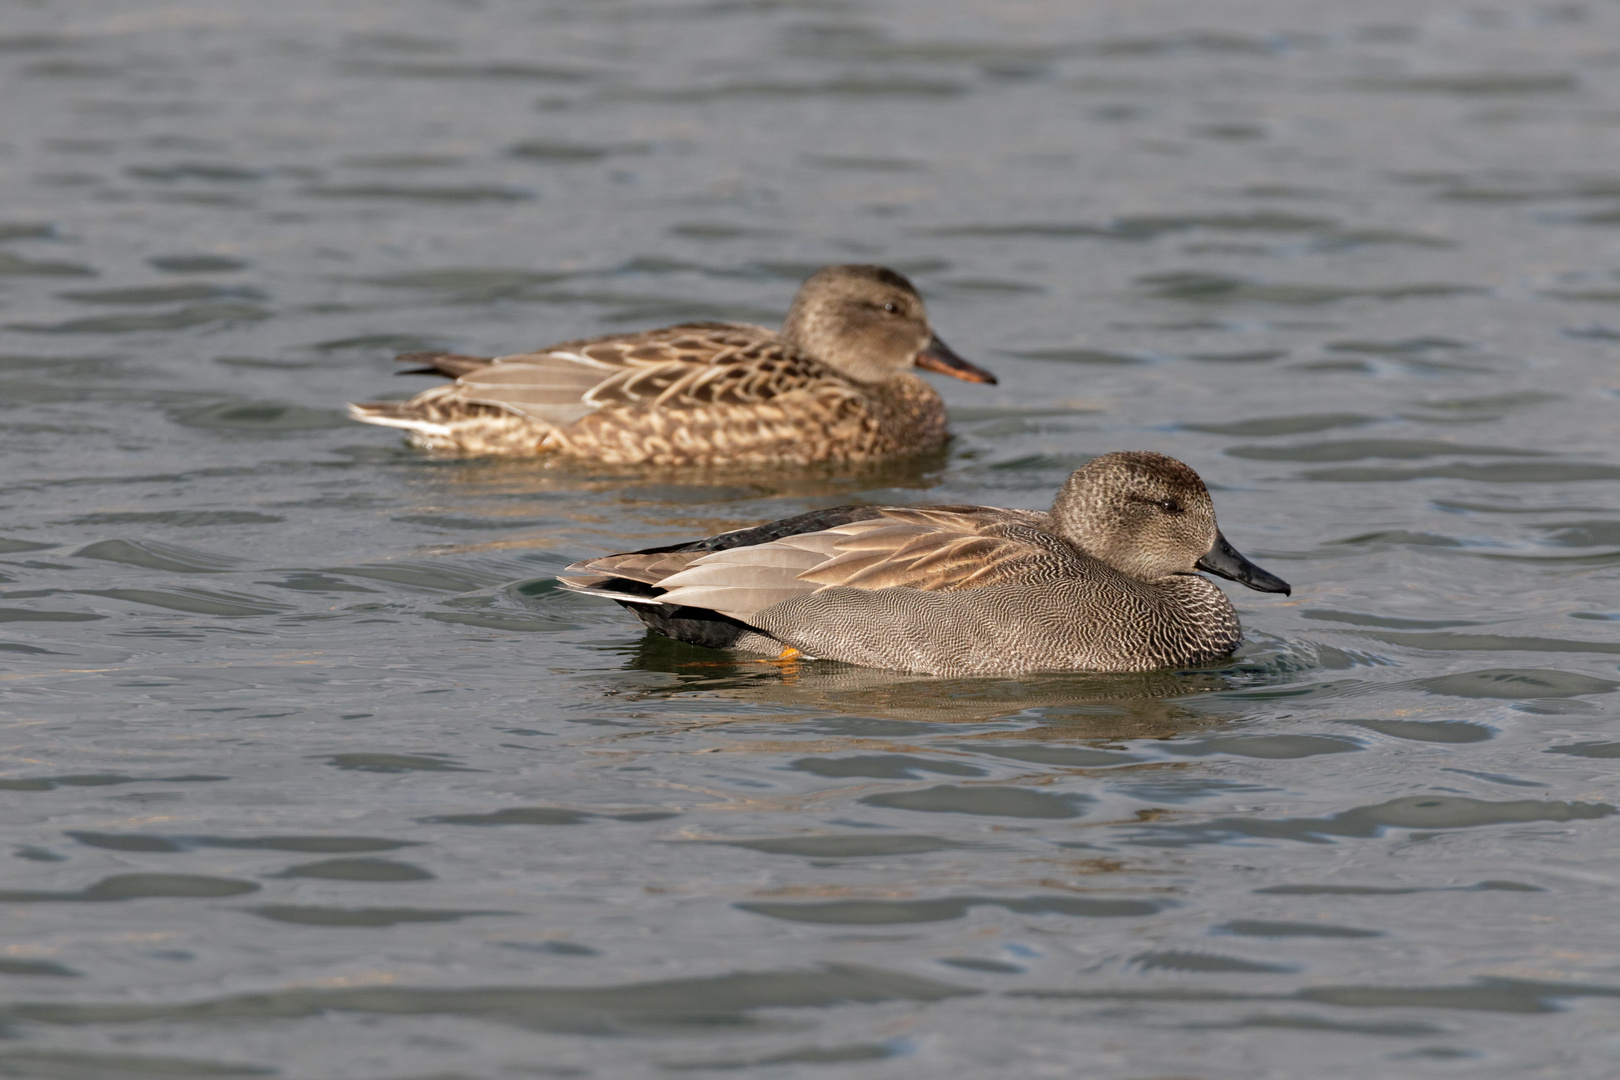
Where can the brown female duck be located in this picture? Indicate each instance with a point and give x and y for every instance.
(1106, 581)
(832, 386)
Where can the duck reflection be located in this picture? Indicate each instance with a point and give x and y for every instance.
(575, 505)
(1079, 706)
(503, 478)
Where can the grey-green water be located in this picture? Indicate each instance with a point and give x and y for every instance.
(311, 772)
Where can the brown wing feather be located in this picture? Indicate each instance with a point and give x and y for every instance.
(939, 564)
(676, 367)
(933, 549)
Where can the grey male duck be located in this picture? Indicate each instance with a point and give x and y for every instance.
(1106, 581)
(833, 385)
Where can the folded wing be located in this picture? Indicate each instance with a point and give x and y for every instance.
(688, 366)
(933, 549)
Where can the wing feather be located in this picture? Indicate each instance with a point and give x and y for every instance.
(930, 549)
(688, 366)
(742, 580)
(649, 568)
(548, 388)
(843, 567)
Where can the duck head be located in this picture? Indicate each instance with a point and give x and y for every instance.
(869, 323)
(1150, 516)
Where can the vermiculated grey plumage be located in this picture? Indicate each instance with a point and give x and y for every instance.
(1104, 582)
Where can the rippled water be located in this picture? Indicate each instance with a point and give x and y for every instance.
(311, 771)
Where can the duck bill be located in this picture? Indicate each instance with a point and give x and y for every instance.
(1225, 560)
(937, 356)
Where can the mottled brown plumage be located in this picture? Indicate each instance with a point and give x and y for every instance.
(1104, 582)
(832, 386)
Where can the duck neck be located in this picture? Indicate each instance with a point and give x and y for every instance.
(865, 370)
(910, 404)
(1201, 624)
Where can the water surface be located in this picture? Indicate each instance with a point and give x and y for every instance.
(312, 771)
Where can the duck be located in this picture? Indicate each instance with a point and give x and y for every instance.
(1106, 581)
(833, 385)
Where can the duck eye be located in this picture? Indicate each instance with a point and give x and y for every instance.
(890, 308)
(1170, 506)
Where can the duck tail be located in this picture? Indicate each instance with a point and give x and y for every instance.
(396, 414)
(450, 365)
(696, 626)
(611, 588)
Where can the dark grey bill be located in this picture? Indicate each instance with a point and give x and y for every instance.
(939, 357)
(1228, 562)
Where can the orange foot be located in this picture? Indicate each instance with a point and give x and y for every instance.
(788, 661)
